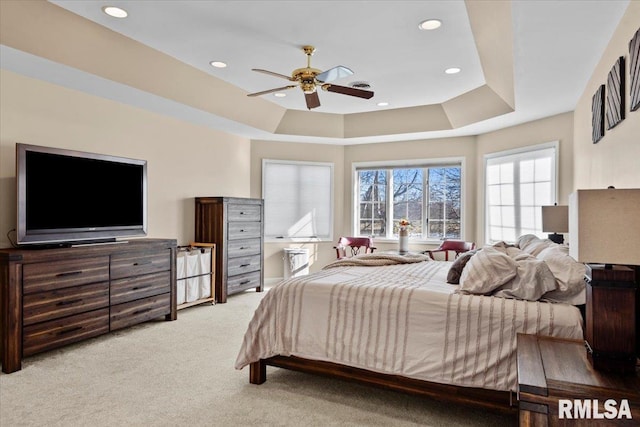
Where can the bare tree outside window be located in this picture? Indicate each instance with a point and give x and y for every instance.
(428, 197)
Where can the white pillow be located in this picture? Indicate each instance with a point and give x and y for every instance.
(569, 275)
(486, 271)
(532, 244)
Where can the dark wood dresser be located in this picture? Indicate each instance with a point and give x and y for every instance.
(53, 297)
(556, 381)
(236, 226)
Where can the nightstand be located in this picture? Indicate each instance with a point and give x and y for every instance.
(555, 379)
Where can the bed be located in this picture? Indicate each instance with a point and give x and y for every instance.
(394, 321)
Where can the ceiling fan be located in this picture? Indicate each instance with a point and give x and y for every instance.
(308, 79)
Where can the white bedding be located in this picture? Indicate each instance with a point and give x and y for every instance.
(401, 319)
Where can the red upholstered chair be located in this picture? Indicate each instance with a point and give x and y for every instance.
(457, 246)
(350, 246)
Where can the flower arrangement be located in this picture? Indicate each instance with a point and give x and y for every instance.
(404, 224)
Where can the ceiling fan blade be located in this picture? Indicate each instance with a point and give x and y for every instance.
(334, 74)
(264, 92)
(312, 99)
(345, 90)
(271, 73)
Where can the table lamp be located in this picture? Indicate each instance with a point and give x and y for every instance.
(604, 233)
(555, 220)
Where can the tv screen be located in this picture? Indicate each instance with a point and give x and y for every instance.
(67, 196)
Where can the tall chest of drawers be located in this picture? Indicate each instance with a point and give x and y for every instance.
(53, 297)
(235, 225)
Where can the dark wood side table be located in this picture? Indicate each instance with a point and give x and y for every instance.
(551, 369)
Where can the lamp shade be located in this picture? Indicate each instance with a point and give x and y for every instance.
(604, 226)
(555, 219)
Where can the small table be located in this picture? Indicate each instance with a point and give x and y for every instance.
(555, 379)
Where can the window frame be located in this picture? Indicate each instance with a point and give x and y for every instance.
(409, 163)
(555, 145)
(287, 239)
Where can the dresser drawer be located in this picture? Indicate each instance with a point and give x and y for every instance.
(56, 333)
(243, 265)
(244, 212)
(43, 306)
(238, 248)
(135, 264)
(242, 282)
(133, 288)
(40, 277)
(123, 315)
(243, 230)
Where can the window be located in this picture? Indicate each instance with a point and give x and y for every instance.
(298, 200)
(426, 194)
(517, 184)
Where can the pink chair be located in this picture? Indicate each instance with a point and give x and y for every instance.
(457, 246)
(350, 246)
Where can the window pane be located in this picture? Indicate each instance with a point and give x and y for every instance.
(506, 173)
(526, 170)
(506, 194)
(526, 195)
(493, 174)
(494, 195)
(528, 218)
(543, 169)
(508, 216)
(543, 193)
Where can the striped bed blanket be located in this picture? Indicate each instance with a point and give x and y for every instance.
(402, 319)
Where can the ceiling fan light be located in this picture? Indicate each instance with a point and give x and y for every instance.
(430, 24)
(115, 12)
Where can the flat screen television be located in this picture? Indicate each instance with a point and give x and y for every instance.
(67, 197)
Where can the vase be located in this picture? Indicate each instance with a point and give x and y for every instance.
(403, 242)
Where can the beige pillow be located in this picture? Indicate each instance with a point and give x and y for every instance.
(532, 244)
(486, 271)
(533, 280)
(568, 273)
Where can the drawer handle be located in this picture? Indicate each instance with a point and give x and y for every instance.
(69, 273)
(244, 282)
(137, 288)
(142, 263)
(73, 301)
(68, 331)
(244, 265)
(144, 310)
(243, 248)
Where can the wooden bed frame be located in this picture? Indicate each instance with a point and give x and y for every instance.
(501, 401)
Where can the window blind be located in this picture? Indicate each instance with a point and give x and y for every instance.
(298, 199)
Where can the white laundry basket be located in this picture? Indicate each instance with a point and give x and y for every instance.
(296, 262)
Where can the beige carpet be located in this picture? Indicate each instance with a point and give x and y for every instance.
(181, 373)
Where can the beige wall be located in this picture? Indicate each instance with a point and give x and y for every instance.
(184, 160)
(320, 253)
(615, 159)
(557, 128)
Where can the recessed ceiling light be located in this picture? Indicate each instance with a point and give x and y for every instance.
(279, 95)
(430, 24)
(382, 104)
(116, 12)
(452, 70)
(218, 64)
